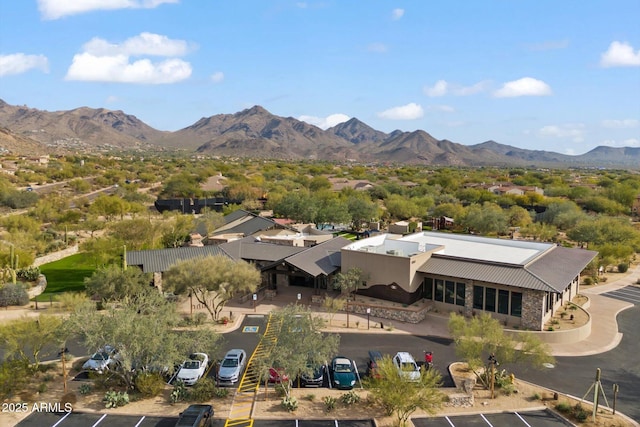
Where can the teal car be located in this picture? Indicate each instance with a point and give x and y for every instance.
(343, 373)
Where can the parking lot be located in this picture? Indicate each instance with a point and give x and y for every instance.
(628, 293)
(77, 419)
(541, 418)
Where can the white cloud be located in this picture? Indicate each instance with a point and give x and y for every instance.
(217, 77)
(56, 9)
(525, 86)
(325, 122)
(410, 111)
(438, 89)
(620, 124)
(441, 108)
(377, 47)
(442, 87)
(396, 14)
(106, 62)
(18, 63)
(112, 99)
(142, 44)
(118, 69)
(620, 54)
(573, 131)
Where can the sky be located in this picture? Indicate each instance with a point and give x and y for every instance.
(560, 76)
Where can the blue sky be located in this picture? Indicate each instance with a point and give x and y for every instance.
(552, 75)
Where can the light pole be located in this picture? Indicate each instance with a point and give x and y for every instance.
(255, 298)
(493, 362)
(299, 298)
(368, 313)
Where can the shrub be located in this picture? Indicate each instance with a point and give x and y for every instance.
(113, 399)
(42, 388)
(329, 403)
(199, 319)
(220, 392)
(535, 396)
(290, 403)
(11, 294)
(68, 398)
(588, 281)
(350, 398)
(579, 413)
(623, 267)
(29, 274)
(149, 383)
(179, 392)
(310, 397)
(563, 407)
(85, 389)
(203, 390)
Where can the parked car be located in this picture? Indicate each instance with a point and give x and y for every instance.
(104, 359)
(196, 416)
(277, 376)
(372, 365)
(232, 367)
(316, 379)
(343, 373)
(407, 366)
(193, 368)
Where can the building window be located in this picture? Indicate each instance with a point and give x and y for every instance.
(503, 301)
(460, 293)
(449, 292)
(478, 297)
(490, 300)
(516, 304)
(439, 290)
(428, 288)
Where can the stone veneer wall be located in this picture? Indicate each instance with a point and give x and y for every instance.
(402, 314)
(468, 299)
(532, 315)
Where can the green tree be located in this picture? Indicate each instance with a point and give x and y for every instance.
(211, 280)
(175, 230)
(362, 210)
(486, 219)
(299, 343)
(113, 284)
(401, 397)
(143, 330)
(481, 336)
(25, 338)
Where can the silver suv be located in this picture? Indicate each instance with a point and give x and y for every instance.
(407, 366)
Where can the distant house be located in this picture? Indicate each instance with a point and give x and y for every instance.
(635, 207)
(338, 184)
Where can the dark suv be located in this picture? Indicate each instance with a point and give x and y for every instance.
(196, 416)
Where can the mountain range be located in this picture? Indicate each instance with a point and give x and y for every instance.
(256, 133)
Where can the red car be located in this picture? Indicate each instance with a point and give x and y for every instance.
(277, 375)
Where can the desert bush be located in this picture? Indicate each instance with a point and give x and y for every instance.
(13, 294)
(85, 389)
(310, 397)
(220, 392)
(203, 390)
(199, 319)
(113, 399)
(69, 301)
(329, 403)
(29, 274)
(623, 267)
(563, 407)
(149, 383)
(290, 403)
(68, 398)
(350, 398)
(179, 392)
(579, 413)
(13, 375)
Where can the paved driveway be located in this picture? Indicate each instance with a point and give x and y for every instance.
(628, 293)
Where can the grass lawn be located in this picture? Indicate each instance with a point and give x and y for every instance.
(66, 275)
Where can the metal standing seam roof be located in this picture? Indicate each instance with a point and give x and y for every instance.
(248, 248)
(551, 272)
(159, 260)
(324, 258)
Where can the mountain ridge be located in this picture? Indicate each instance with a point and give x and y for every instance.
(256, 133)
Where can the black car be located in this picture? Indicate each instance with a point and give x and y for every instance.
(372, 364)
(314, 380)
(196, 416)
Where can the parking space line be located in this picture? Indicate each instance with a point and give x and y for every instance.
(621, 297)
(486, 420)
(522, 419)
(61, 419)
(99, 421)
(450, 423)
(141, 420)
